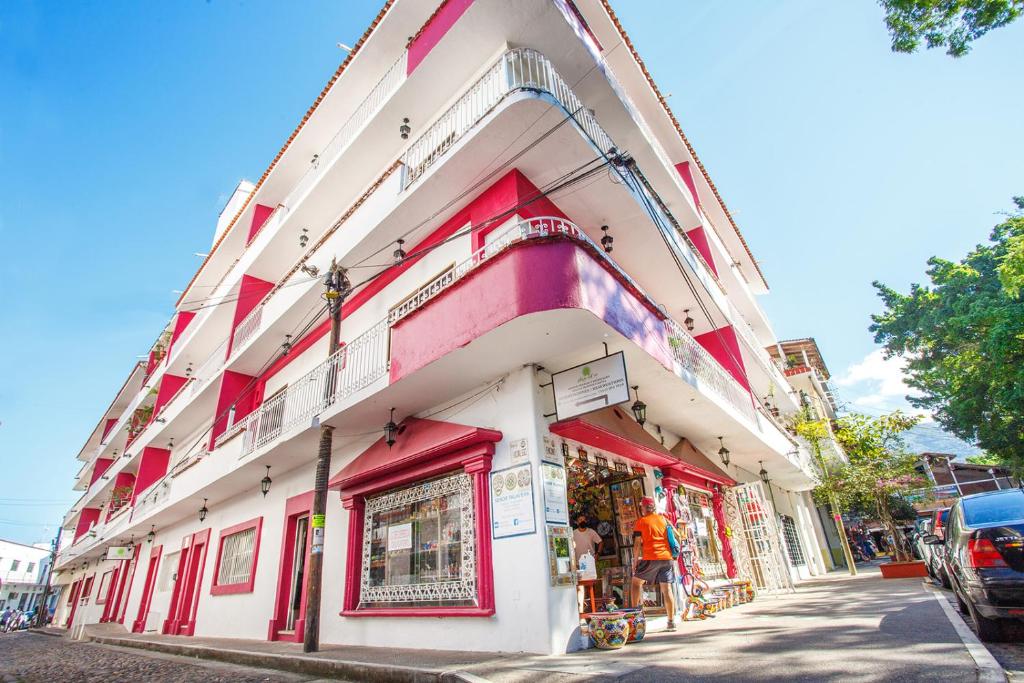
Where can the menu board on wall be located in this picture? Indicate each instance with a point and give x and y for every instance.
(512, 510)
(556, 499)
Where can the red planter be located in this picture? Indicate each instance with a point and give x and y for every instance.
(903, 570)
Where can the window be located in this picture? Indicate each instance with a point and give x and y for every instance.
(419, 546)
(793, 547)
(165, 580)
(31, 567)
(702, 534)
(101, 595)
(994, 508)
(236, 558)
(15, 564)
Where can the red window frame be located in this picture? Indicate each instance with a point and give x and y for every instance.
(101, 594)
(244, 586)
(470, 454)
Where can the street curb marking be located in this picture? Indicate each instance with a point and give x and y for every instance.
(989, 670)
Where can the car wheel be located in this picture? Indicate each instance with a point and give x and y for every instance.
(989, 630)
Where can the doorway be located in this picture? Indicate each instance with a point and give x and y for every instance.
(298, 572)
(139, 625)
(189, 578)
(288, 620)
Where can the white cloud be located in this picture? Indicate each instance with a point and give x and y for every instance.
(876, 384)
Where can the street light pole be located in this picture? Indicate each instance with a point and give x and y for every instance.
(42, 611)
(337, 286)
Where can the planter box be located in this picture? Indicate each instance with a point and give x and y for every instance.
(903, 570)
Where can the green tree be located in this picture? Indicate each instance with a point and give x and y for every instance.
(879, 471)
(952, 24)
(963, 340)
(984, 459)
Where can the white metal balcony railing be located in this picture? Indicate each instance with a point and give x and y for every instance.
(209, 367)
(152, 498)
(517, 69)
(248, 327)
(365, 359)
(353, 367)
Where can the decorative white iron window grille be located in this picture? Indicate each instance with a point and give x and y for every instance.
(236, 557)
(419, 546)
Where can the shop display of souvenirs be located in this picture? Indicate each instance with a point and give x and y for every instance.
(609, 630)
(637, 624)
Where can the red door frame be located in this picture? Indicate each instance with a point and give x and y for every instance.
(139, 625)
(294, 508)
(181, 619)
(127, 576)
(108, 599)
(76, 589)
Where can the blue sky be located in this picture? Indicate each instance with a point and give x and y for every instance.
(124, 126)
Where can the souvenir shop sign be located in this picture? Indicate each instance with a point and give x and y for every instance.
(556, 499)
(119, 552)
(591, 386)
(512, 508)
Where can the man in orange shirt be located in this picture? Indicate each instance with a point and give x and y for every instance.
(652, 559)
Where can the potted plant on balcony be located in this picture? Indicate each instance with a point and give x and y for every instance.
(119, 497)
(879, 473)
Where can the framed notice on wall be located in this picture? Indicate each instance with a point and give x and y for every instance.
(556, 499)
(512, 505)
(591, 386)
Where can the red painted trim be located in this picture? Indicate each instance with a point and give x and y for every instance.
(686, 174)
(251, 292)
(529, 277)
(194, 582)
(235, 389)
(87, 589)
(717, 507)
(87, 518)
(126, 587)
(583, 25)
(102, 596)
(170, 385)
(724, 346)
(434, 30)
(439, 447)
(107, 427)
(698, 236)
(76, 589)
(139, 625)
(98, 468)
(294, 507)
(501, 197)
(260, 214)
(152, 466)
(180, 323)
(243, 586)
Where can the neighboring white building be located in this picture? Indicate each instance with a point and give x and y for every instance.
(511, 198)
(22, 574)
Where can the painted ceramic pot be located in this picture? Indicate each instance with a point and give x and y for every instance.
(637, 624)
(609, 631)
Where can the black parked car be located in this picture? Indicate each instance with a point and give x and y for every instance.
(983, 555)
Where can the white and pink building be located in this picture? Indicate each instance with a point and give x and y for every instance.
(466, 165)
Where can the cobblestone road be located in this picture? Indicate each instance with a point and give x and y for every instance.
(34, 658)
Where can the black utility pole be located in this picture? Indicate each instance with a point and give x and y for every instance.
(337, 287)
(42, 611)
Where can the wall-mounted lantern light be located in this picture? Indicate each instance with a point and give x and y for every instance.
(639, 408)
(265, 483)
(391, 430)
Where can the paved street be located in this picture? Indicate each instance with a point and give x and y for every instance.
(833, 629)
(34, 658)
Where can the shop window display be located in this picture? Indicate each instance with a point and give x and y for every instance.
(701, 552)
(419, 546)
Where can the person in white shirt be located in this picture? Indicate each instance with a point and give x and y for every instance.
(584, 539)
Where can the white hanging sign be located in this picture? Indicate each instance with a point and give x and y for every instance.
(591, 386)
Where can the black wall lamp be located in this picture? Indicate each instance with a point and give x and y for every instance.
(265, 483)
(639, 408)
(723, 452)
(390, 430)
(203, 511)
(607, 240)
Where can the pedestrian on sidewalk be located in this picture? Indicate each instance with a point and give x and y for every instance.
(652, 559)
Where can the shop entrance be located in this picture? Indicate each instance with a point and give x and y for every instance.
(608, 496)
(288, 621)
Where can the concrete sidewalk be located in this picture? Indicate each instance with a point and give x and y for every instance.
(837, 628)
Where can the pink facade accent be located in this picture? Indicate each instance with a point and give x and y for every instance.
(123, 479)
(180, 323)
(686, 173)
(152, 466)
(250, 293)
(423, 449)
(260, 214)
(181, 620)
(699, 238)
(724, 346)
(527, 278)
(170, 385)
(98, 468)
(723, 537)
(235, 389)
(430, 35)
(86, 520)
(107, 427)
(139, 625)
(295, 508)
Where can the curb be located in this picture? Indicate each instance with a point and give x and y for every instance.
(989, 670)
(331, 668)
(44, 632)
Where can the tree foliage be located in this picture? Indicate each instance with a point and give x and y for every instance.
(984, 459)
(879, 471)
(951, 24)
(963, 339)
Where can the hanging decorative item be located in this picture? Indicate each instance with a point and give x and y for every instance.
(391, 430)
(265, 483)
(658, 474)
